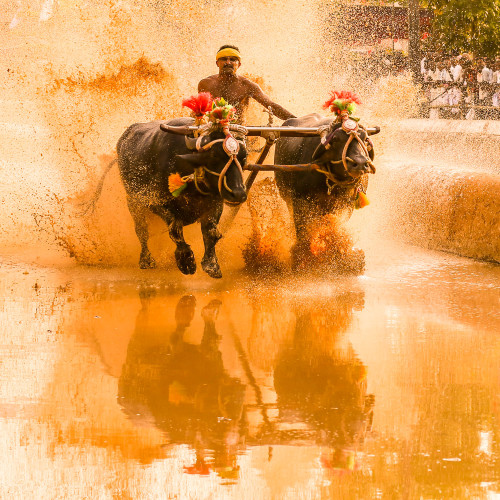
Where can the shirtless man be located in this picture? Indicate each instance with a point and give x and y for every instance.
(237, 90)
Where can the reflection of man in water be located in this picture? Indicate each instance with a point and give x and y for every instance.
(183, 388)
(320, 380)
(235, 89)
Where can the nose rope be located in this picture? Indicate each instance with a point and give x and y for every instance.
(331, 179)
(222, 175)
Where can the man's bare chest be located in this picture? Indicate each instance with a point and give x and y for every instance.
(235, 93)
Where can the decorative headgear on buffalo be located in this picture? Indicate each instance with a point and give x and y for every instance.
(199, 105)
(217, 111)
(343, 104)
(222, 113)
(228, 52)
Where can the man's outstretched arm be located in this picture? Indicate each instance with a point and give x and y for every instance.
(263, 99)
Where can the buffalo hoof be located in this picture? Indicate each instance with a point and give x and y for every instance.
(146, 261)
(185, 260)
(209, 313)
(212, 268)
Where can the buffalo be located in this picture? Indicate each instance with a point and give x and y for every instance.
(209, 168)
(344, 155)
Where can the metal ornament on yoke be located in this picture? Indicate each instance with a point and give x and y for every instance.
(231, 145)
(349, 125)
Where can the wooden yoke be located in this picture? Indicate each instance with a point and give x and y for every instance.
(271, 134)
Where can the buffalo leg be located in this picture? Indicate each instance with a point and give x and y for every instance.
(300, 249)
(211, 236)
(184, 256)
(138, 212)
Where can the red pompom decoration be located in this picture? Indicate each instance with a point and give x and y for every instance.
(199, 104)
(341, 100)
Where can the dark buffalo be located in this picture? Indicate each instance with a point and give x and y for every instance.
(313, 194)
(148, 155)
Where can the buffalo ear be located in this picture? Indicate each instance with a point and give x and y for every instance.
(191, 160)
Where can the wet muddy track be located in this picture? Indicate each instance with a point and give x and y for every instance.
(123, 383)
(117, 382)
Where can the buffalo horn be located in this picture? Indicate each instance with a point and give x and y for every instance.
(373, 130)
(190, 142)
(180, 129)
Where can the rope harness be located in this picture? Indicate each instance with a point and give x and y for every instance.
(231, 147)
(351, 128)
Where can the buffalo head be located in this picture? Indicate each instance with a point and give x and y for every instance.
(346, 152)
(221, 157)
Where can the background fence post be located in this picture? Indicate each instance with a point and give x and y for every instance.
(414, 38)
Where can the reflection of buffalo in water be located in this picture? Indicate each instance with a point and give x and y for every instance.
(184, 389)
(319, 379)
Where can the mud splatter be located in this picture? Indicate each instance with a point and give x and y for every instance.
(266, 250)
(331, 247)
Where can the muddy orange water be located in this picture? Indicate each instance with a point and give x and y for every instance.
(117, 383)
(121, 383)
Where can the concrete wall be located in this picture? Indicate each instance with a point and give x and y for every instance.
(471, 144)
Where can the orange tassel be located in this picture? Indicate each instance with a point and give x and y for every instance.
(361, 200)
(176, 184)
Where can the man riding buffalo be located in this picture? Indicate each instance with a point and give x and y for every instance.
(237, 89)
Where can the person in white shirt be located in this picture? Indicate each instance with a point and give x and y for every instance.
(484, 77)
(432, 74)
(423, 66)
(444, 75)
(487, 73)
(456, 69)
(496, 72)
(484, 74)
(496, 84)
(455, 93)
(437, 93)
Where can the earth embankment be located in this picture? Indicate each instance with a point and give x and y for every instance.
(439, 183)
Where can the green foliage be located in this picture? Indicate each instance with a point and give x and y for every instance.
(467, 25)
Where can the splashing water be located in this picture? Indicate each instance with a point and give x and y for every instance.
(95, 68)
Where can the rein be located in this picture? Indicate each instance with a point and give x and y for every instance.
(222, 175)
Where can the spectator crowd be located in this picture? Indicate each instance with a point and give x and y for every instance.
(461, 87)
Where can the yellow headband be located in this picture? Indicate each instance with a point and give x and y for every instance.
(228, 53)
